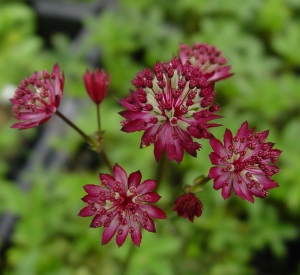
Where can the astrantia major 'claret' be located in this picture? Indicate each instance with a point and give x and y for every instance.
(172, 104)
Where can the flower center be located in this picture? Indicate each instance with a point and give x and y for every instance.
(173, 121)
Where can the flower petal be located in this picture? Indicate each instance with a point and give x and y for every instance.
(107, 180)
(120, 176)
(136, 235)
(134, 125)
(220, 181)
(153, 211)
(215, 159)
(134, 179)
(120, 238)
(97, 221)
(241, 190)
(88, 198)
(94, 190)
(150, 197)
(86, 212)
(149, 225)
(110, 231)
(218, 147)
(227, 139)
(146, 186)
(215, 172)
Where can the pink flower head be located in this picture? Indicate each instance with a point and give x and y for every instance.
(96, 84)
(244, 163)
(208, 58)
(122, 204)
(37, 98)
(171, 106)
(188, 206)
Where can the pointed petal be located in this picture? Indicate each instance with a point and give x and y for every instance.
(150, 225)
(134, 179)
(97, 221)
(218, 147)
(135, 115)
(136, 234)
(93, 190)
(86, 212)
(146, 186)
(126, 104)
(222, 74)
(227, 139)
(159, 147)
(150, 197)
(220, 181)
(226, 191)
(169, 142)
(153, 211)
(216, 159)
(120, 238)
(88, 198)
(134, 125)
(107, 179)
(241, 190)
(265, 182)
(110, 231)
(120, 176)
(215, 172)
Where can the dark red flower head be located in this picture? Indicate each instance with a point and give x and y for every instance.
(244, 163)
(188, 206)
(208, 58)
(96, 84)
(172, 105)
(37, 98)
(121, 205)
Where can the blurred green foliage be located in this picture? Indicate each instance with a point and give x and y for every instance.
(261, 42)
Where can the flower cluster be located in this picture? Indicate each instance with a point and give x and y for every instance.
(122, 204)
(173, 104)
(207, 58)
(37, 98)
(244, 164)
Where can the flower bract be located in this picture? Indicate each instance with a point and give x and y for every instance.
(122, 205)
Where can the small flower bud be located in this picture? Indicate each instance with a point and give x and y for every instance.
(188, 206)
(96, 84)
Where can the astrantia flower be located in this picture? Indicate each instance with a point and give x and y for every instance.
(208, 58)
(188, 206)
(244, 164)
(37, 98)
(96, 84)
(172, 105)
(121, 205)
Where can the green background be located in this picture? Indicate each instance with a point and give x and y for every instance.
(261, 40)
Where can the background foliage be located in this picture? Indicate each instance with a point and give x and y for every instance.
(261, 42)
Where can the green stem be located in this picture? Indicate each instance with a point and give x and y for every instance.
(161, 169)
(98, 118)
(126, 263)
(105, 160)
(70, 123)
(86, 138)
